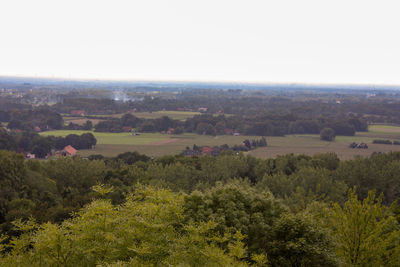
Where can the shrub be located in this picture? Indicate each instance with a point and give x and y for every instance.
(327, 134)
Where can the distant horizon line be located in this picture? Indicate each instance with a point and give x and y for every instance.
(259, 83)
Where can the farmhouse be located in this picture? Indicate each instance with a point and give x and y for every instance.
(30, 156)
(228, 131)
(78, 112)
(68, 151)
(206, 150)
(170, 131)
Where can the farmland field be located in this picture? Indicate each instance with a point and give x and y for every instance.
(156, 144)
(80, 120)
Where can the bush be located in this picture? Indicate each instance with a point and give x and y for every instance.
(327, 134)
(380, 141)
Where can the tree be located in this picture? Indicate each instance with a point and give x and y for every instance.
(132, 157)
(327, 134)
(147, 230)
(88, 125)
(205, 128)
(7, 142)
(41, 146)
(87, 141)
(287, 240)
(367, 233)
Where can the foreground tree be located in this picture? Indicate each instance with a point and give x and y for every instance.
(367, 233)
(148, 230)
(287, 240)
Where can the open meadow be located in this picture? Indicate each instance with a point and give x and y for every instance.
(157, 144)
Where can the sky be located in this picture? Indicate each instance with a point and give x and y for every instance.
(307, 41)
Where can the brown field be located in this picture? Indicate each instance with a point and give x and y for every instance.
(339, 148)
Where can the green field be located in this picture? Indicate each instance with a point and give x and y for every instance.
(156, 144)
(153, 144)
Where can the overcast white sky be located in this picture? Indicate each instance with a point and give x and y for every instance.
(313, 41)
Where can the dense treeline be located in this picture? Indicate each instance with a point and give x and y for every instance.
(91, 106)
(380, 107)
(32, 142)
(261, 125)
(282, 210)
(40, 119)
(376, 109)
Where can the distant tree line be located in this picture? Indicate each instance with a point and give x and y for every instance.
(28, 141)
(260, 125)
(27, 120)
(247, 145)
(385, 142)
(382, 108)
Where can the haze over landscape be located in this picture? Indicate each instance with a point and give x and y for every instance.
(306, 41)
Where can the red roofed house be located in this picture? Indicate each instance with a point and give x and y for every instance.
(228, 131)
(69, 151)
(78, 112)
(170, 131)
(206, 150)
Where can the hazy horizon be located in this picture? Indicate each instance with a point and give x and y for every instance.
(302, 42)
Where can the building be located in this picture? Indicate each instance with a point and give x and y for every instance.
(68, 151)
(30, 156)
(170, 131)
(228, 131)
(206, 150)
(78, 112)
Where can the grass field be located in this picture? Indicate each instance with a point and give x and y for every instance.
(155, 144)
(80, 121)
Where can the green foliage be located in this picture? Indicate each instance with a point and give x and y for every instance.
(225, 221)
(367, 233)
(378, 172)
(327, 134)
(147, 230)
(314, 183)
(132, 157)
(287, 240)
(296, 240)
